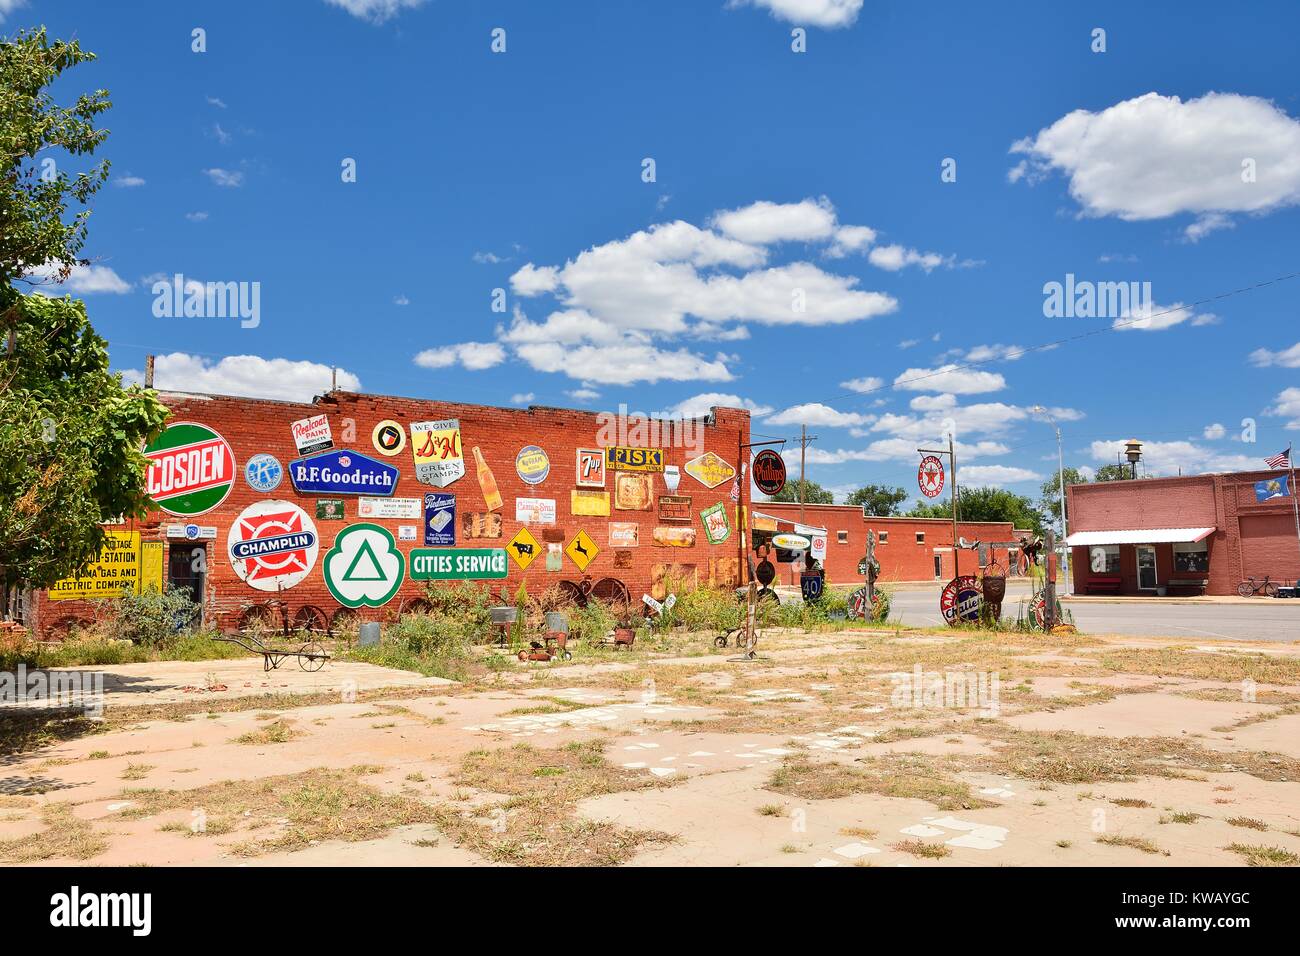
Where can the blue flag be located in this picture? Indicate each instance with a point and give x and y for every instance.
(1272, 488)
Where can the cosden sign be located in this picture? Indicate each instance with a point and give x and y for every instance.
(769, 472)
(343, 473)
(622, 458)
(191, 469)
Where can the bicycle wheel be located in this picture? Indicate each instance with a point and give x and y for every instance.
(1269, 589)
(1246, 588)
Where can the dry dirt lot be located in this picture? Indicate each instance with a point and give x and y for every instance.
(1086, 751)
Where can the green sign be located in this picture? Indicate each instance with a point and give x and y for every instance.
(191, 469)
(458, 564)
(364, 568)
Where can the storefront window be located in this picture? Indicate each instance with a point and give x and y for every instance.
(1104, 559)
(1192, 557)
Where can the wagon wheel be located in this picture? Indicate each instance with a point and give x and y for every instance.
(613, 592)
(266, 617)
(571, 594)
(311, 619)
(65, 625)
(311, 657)
(344, 620)
(416, 605)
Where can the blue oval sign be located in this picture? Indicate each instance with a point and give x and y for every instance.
(343, 472)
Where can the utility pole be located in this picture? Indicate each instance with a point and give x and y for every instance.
(952, 458)
(803, 449)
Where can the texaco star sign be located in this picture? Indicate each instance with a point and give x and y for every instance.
(929, 476)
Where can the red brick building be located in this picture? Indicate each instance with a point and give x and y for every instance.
(908, 549)
(632, 545)
(1204, 533)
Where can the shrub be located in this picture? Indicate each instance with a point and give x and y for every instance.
(436, 644)
(591, 623)
(153, 617)
(709, 609)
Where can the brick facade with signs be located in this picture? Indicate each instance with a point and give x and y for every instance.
(254, 427)
(908, 549)
(1249, 537)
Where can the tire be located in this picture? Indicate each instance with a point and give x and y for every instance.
(317, 659)
(1270, 590)
(1245, 589)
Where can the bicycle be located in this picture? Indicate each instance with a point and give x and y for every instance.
(1249, 588)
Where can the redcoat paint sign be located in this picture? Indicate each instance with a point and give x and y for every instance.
(439, 457)
(191, 469)
(273, 545)
(312, 434)
(591, 468)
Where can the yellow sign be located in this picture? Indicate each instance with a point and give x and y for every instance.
(589, 504)
(582, 550)
(523, 548)
(115, 572)
(710, 470)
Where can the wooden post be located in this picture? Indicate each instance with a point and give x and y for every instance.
(952, 460)
(1049, 581)
(148, 371)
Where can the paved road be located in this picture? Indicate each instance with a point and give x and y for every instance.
(1266, 620)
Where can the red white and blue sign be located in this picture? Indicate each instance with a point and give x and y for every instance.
(273, 545)
(961, 599)
(439, 520)
(343, 473)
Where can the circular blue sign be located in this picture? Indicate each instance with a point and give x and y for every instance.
(263, 472)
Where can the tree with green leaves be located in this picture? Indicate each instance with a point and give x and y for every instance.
(70, 434)
(1050, 502)
(986, 504)
(813, 494)
(881, 501)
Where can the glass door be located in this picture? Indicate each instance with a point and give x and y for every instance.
(1146, 560)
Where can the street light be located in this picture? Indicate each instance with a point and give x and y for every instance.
(1060, 487)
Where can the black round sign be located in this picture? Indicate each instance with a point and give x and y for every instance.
(388, 437)
(769, 472)
(765, 572)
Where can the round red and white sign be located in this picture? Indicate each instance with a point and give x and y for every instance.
(929, 476)
(273, 545)
(961, 599)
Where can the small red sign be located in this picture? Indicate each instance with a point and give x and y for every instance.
(929, 476)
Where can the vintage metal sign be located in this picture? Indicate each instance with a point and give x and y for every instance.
(192, 532)
(532, 464)
(523, 547)
(263, 472)
(816, 540)
(591, 468)
(929, 476)
(791, 542)
(960, 599)
(716, 527)
(582, 550)
(312, 434)
(710, 470)
(769, 472)
(388, 437)
(624, 534)
(388, 508)
(113, 573)
(343, 473)
(273, 545)
(622, 458)
(364, 568)
(589, 504)
(439, 520)
(329, 509)
(675, 508)
(535, 510)
(458, 564)
(439, 458)
(191, 469)
(480, 524)
(408, 532)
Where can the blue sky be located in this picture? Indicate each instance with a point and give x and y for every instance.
(781, 179)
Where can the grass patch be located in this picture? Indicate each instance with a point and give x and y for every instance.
(771, 810)
(136, 771)
(1130, 802)
(1183, 816)
(64, 837)
(1264, 855)
(1224, 666)
(890, 775)
(930, 851)
(279, 732)
(1248, 823)
(1135, 843)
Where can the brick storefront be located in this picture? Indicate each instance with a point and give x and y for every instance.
(1244, 537)
(253, 426)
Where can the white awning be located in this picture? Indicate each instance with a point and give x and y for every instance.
(1138, 536)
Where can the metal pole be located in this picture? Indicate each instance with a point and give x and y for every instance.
(952, 460)
(1060, 478)
(1295, 506)
(742, 518)
(803, 450)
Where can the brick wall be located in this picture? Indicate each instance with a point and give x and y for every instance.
(254, 426)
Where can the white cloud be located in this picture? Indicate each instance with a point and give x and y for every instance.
(763, 223)
(376, 11)
(225, 177)
(1151, 317)
(1156, 156)
(1286, 358)
(9, 6)
(217, 102)
(1165, 459)
(1288, 406)
(127, 181)
(828, 14)
(815, 413)
(199, 216)
(487, 258)
(996, 475)
(697, 406)
(221, 135)
(865, 384)
(950, 378)
(989, 353)
(531, 280)
(401, 300)
(893, 258)
(1213, 432)
(249, 375)
(849, 239)
(623, 364)
(474, 356)
(83, 280)
(522, 398)
(583, 394)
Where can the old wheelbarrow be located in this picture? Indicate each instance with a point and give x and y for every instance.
(311, 656)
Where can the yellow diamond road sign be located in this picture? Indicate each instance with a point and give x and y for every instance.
(582, 550)
(523, 548)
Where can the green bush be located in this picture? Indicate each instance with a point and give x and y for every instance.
(590, 624)
(709, 609)
(152, 618)
(436, 644)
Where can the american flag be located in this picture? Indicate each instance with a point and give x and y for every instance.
(1280, 461)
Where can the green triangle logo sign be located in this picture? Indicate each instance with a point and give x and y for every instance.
(365, 567)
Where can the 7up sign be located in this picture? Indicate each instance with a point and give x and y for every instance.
(364, 568)
(191, 469)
